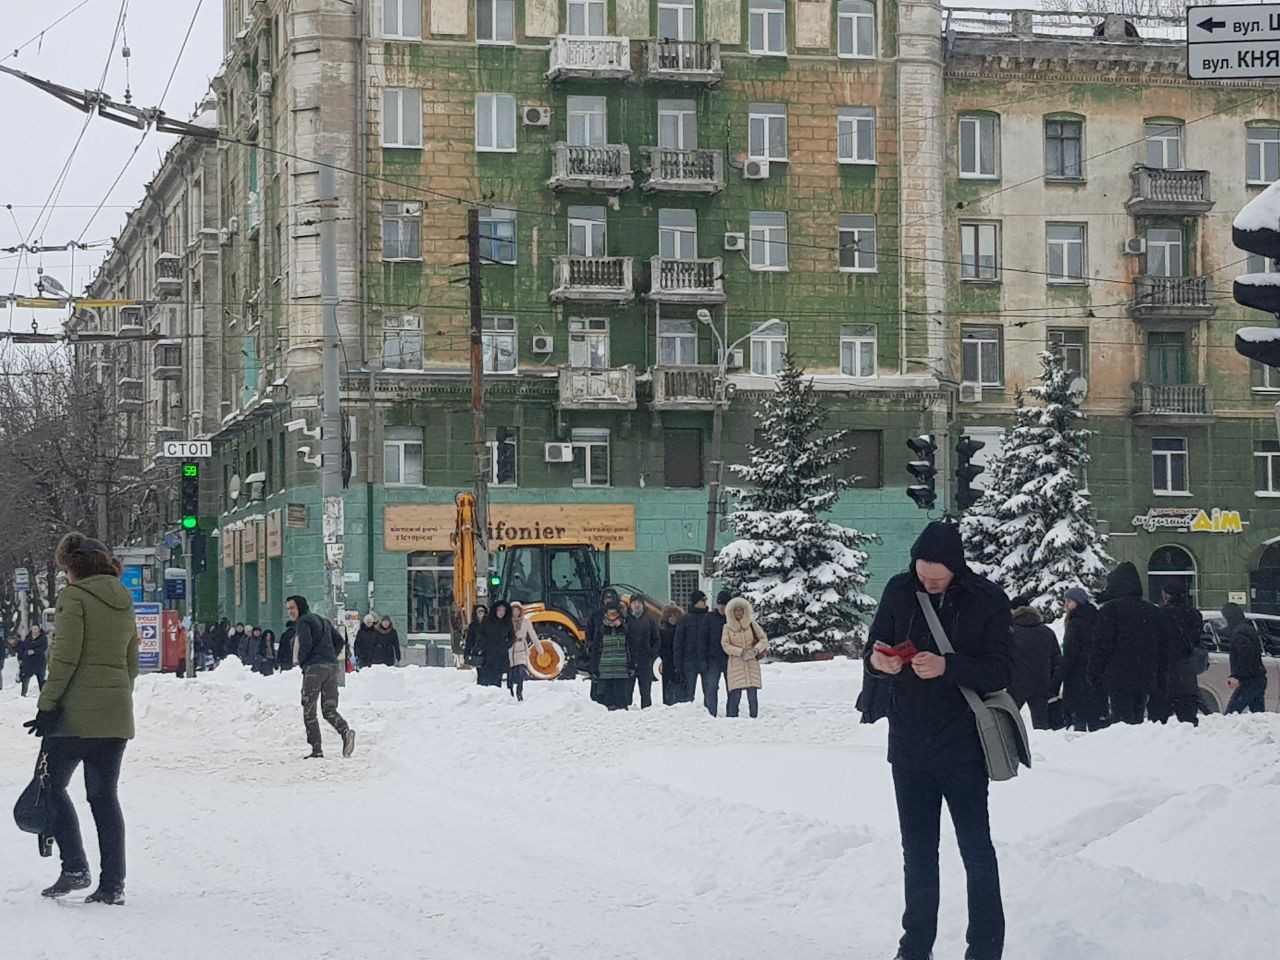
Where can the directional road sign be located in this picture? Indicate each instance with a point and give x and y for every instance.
(22, 580)
(1233, 42)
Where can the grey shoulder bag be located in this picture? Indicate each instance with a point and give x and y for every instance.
(1000, 726)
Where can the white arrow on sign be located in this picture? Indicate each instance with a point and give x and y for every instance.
(188, 449)
(1255, 21)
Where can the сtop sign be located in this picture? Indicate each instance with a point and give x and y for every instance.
(1190, 520)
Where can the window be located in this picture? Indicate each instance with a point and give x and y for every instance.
(495, 123)
(980, 147)
(1166, 358)
(677, 343)
(402, 118)
(586, 18)
(858, 350)
(497, 235)
(767, 131)
(856, 135)
(1264, 378)
(402, 343)
(678, 234)
(855, 28)
(587, 236)
(430, 593)
(1066, 252)
(495, 21)
(587, 121)
(682, 458)
(1260, 264)
(498, 339)
(1063, 158)
(677, 125)
(684, 575)
(675, 20)
(1073, 347)
(1266, 466)
(1262, 155)
(1164, 252)
(1172, 568)
(402, 456)
(980, 355)
(768, 241)
(1164, 145)
(503, 443)
(979, 251)
(768, 348)
(401, 230)
(857, 242)
(865, 463)
(590, 458)
(767, 28)
(1169, 465)
(589, 342)
(402, 19)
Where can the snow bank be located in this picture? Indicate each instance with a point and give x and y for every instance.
(469, 826)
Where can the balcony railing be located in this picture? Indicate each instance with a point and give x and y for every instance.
(606, 168)
(694, 61)
(686, 281)
(168, 275)
(592, 389)
(129, 394)
(684, 171)
(1168, 192)
(1171, 298)
(684, 388)
(594, 278)
(1172, 400)
(592, 58)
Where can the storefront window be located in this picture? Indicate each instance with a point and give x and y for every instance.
(430, 594)
(1172, 568)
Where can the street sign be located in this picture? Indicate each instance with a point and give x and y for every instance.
(175, 589)
(188, 449)
(1233, 42)
(22, 580)
(148, 617)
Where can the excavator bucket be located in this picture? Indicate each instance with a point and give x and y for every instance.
(547, 664)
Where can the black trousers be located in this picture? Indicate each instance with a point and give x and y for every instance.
(734, 703)
(515, 680)
(1187, 709)
(1128, 707)
(101, 759)
(321, 684)
(920, 795)
(645, 683)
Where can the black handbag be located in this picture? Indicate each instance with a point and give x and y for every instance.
(34, 812)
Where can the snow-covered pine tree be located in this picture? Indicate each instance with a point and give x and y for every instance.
(1033, 521)
(803, 575)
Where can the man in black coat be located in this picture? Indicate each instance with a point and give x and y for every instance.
(934, 748)
(646, 640)
(1187, 660)
(1248, 680)
(687, 644)
(714, 660)
(1130, 654)
(1037, 664)
(33, 653)
(1086, 704)
(318, 649)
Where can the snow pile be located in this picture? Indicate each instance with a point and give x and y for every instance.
(469, 826)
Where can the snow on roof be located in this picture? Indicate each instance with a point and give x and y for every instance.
(1262, 212)
(1258, 334)
(1259, 279)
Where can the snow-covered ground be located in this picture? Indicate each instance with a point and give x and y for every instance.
(469, 826)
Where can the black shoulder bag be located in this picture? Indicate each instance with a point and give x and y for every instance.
(34, 812)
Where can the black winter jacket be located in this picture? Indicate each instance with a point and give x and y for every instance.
(666, 646)
(364, 645)
(636, 648)
(1182, 627)
(1037, 659)
(494, 638)
(1082, 698)
(1246, 651)
(284, 654)
(687, 641)
(32, 654)
(1130, 652)
(386, 646)
(318, 642)
(711, 632)
(647, 637)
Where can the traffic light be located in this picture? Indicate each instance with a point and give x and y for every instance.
(966, 472)
(1257, 230)
(190, 497)
(923, 491)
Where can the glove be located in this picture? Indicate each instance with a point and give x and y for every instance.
(42, 725)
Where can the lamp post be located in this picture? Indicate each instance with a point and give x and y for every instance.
(722, 395)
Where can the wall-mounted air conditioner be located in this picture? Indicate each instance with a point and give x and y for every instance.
(559, 453)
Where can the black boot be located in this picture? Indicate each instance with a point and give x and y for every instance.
(112, 894)
(315, 754)
(75, 880)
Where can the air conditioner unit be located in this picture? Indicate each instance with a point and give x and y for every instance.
(735, 359)
(559, 453)
(970, 393)
(755, 170)
(1135, 246)
(537, 116)
(265, 83)
(543, 344)
(735, 241)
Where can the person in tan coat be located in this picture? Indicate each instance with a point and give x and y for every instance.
(745, 643)
(518, 654)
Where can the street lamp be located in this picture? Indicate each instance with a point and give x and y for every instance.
(723, 393)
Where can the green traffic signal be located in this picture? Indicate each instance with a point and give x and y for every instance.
(191, 470)
(495, 580)
(189, 523)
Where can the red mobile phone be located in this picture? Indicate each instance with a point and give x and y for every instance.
(905, 650)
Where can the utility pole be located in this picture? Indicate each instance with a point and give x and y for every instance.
(333, 523)
(190, 605)
(479, 447)
(717, 467)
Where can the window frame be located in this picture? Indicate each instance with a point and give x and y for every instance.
(980, 335)
(1272, 458)
(398, 33)
(401, 447)
(588, 331)
(1168, 456)
(681, 339)
(1261, 377)
(766, 11)
(686, 11)
(976, 229)
(1152, 135)
(857, 119)
(680, 234)
(766, 116)
(686, 114)
(845, 225)
(499, 122)
(587, 440)
(852, 11)
(1167, 246)
(490, 243)
(1061, 141)
(513, 440)
(494, 20)
(1062, 348)
(768, 243)
(1065, 244)
(765, 338)
(978, 120)
(407, 327)
(587, 6)
(690, 463)
(393, 213)
(594, 228)
(496, 328)
(586, 108)
(399, 94)
(1264, 147)
(855, 336)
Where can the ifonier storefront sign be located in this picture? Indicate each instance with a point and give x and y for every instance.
(1190, 520)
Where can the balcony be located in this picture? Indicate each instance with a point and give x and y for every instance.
(684, 388)
(1171, 298)
(684, 61)
(686, 281)
(603, 169)
(1168, 193)
(1172, 403)
(684, 171)
(168, 276)
(130, 396)
(609, 279)
(590, 58)
(606, 389)
(168, 360)
(130, 327)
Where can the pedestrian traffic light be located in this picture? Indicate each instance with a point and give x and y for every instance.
(1256, 230)
(189, 501)
(923, 491)
(966, 472)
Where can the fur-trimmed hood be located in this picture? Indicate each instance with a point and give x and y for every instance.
(731, 617)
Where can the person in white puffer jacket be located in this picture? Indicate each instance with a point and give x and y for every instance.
(526, 639)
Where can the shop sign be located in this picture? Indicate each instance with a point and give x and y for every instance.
(1190, 520)
(429, 527)
(275, 534)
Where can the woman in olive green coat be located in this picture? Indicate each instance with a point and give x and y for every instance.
(86, 710)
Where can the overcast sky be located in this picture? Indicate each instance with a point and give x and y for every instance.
(40, 131)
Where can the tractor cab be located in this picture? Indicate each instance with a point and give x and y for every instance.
(563, 577)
